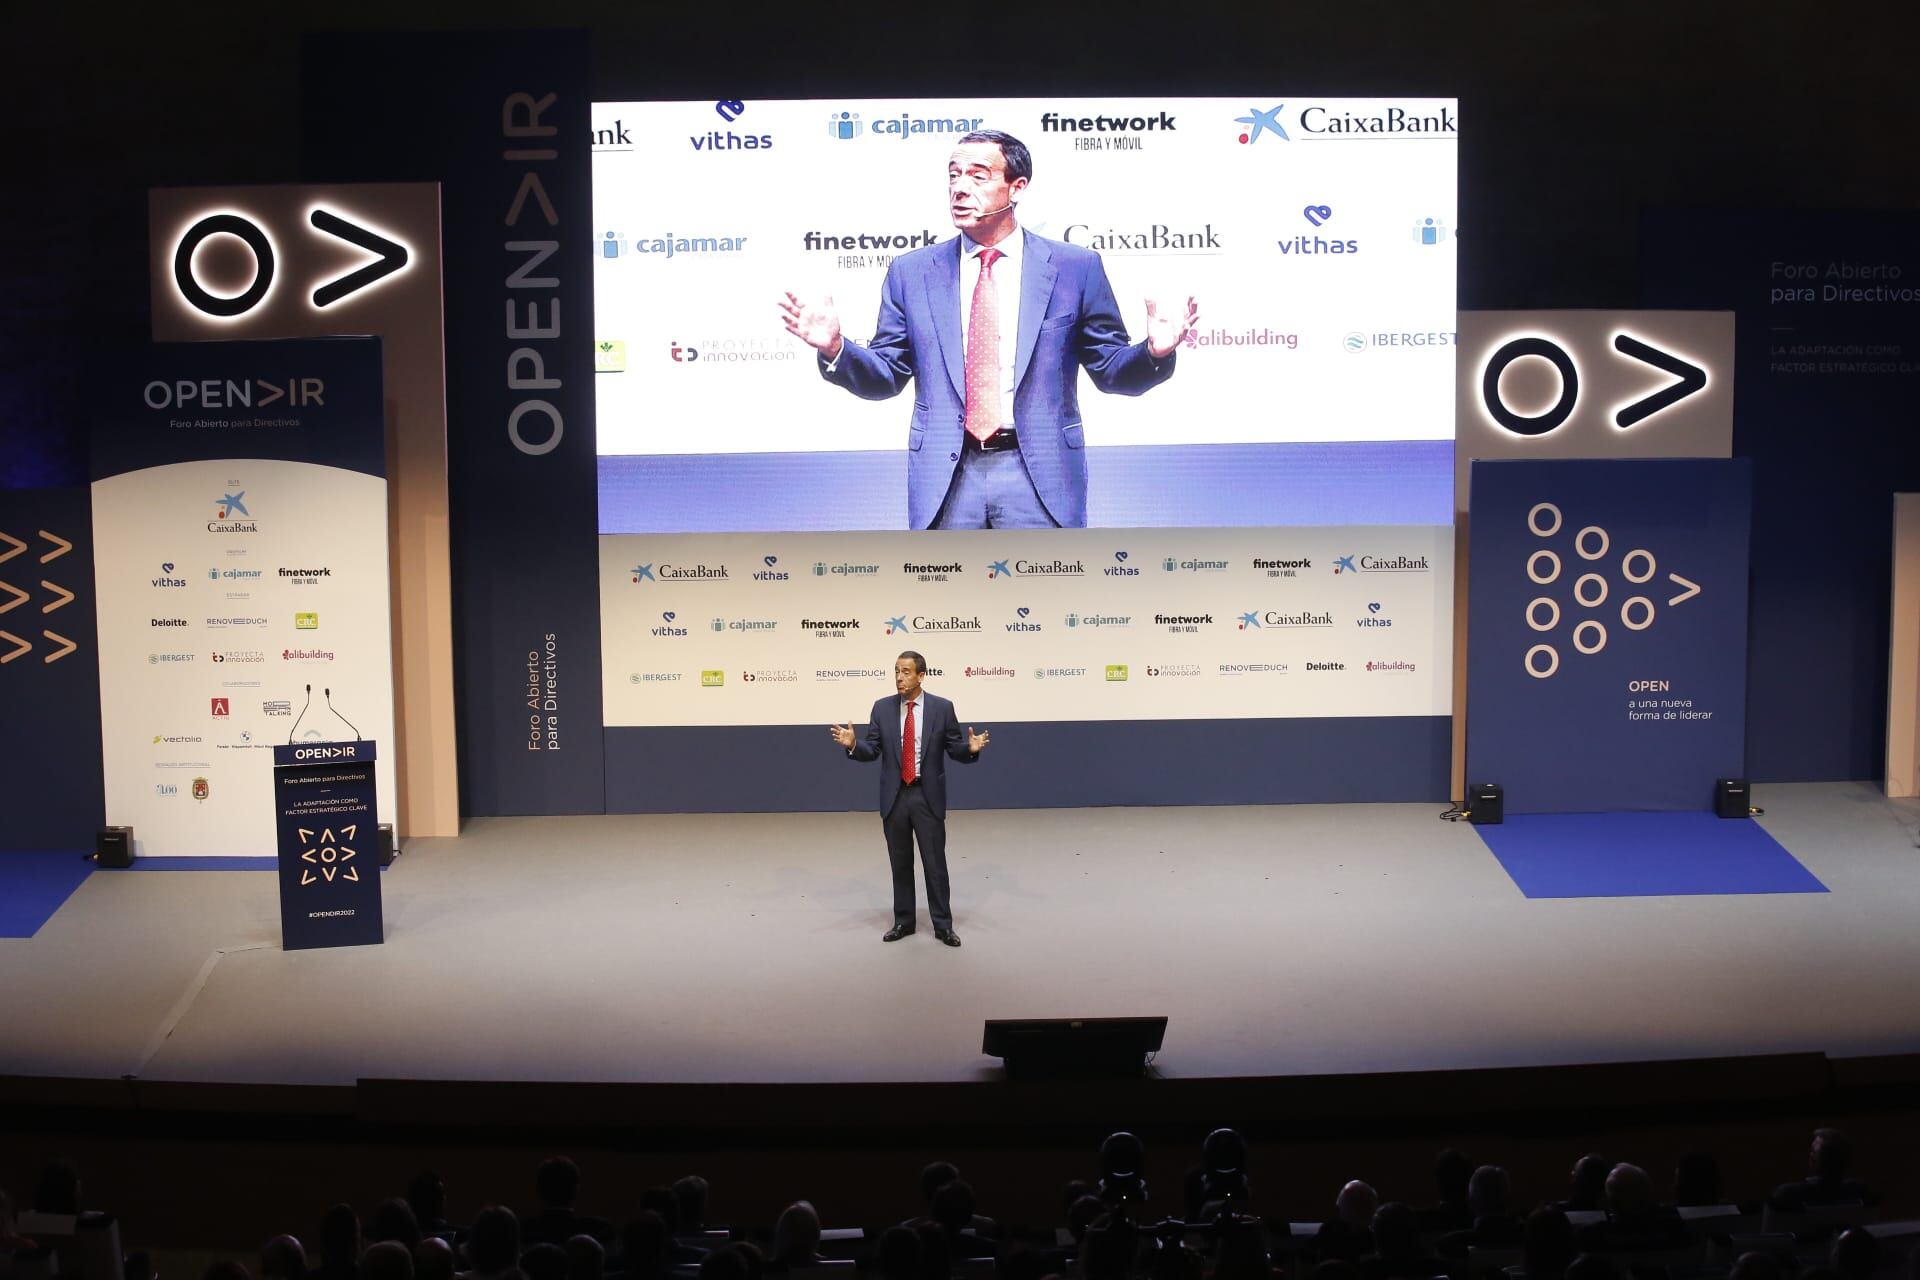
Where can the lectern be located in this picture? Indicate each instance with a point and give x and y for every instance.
(323, 799)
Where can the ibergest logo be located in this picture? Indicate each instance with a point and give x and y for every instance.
(1393, 121)
(1099, 620)
(1357, 341)
(772, 573)
(1275, 618)
(1173, 564)
(166, 578)
(1022, 621)
(679, 573)
(822, 569)
(159, 659)
(667, 627)
(1282, 566)
(1058, 673)
(1373, 617)
(920, 623)
(845, 126)
(1381, 564)
(1037, 568)
(1155, 239)
(230, 506)
(1120, 568)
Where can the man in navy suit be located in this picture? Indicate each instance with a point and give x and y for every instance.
(992, 327)
(911, 734)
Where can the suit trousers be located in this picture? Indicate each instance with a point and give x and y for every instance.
(911, 816)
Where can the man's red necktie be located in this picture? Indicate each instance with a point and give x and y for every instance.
(909, 757)
(983, 352)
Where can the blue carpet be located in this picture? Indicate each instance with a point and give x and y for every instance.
(1634, 855)
(204, 864)
(33, 886)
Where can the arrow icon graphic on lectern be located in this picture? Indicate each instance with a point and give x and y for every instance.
(14, 547)
(66, 646)
(391, 257)
(64, 547)
(1692, 378)
(66, 596)
(1692, 589)
(19, 596)
(20, 647)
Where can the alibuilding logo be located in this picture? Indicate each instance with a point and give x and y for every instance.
(848, 126)
(1036, 569)
(306, 655)
(1395, 664)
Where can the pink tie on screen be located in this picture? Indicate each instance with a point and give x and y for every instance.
(909, 757)
(983, 352)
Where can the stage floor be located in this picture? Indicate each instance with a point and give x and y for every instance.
(1278, 941)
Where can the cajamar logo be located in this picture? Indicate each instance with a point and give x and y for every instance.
(328, 856)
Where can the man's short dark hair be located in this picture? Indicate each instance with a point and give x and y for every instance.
(1019, 159)
(919, 665)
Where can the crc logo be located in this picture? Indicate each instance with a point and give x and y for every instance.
(390, 257)
(1690, 378)
(1591, 591)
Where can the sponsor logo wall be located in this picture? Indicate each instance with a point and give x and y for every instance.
(1067, 625)
(240, 544)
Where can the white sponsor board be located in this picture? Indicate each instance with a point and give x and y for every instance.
(755, 629)
(226, 588)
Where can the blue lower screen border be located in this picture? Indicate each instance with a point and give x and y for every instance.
(795, 769)
(1128, 487)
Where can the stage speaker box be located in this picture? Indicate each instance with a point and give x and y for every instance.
(1073, 1048)
(113, 847)
(1486, 804)
(387, 851)
(1732, 798)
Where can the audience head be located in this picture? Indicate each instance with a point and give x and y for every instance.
(1395, 1231)
(1355, 1204)
(952, 1206)
(339, 1238)
(643, 1243)
(586, 1258)
(661, 1200)
(756, 1261)
(934, 1255)
(897, 1256)
(1755, 1266)
(1487, 1191)
(1856, 1253)
(1696, 1179)
(1831, 1153)
(1588, 1182)
(433, 1259)
(427, 1196)
(1240, 1254)
(935, 1176)
(1108, 1248)
(493, 1242)
(544, 1262)
(728, 1262)
(1082, 1213)
(1592, 1266)
(1451, 1173)
(227, 1270)
(558, 1182)
(394, 1219)
(387, 1260)
(796, 1235)
(59, 1189)
(1546, 1245)
(690, 1202)
(282, 1258)
(1630, 1192)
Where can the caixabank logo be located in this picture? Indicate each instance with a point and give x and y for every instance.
(230, 514)
(1013, 567)
(1387, 562)
(1574, 608)
(929, 624)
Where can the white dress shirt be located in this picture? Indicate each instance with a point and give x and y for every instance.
(1006, 279)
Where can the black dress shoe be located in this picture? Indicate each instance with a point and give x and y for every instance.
(947, 936)
(896, 933)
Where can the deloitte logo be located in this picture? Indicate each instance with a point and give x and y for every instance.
(845, 126)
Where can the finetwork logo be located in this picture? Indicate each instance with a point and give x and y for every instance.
(1260, 123)
(1108, 133)
(866, 241)
(845, 126)
(166, 578)
(1282, 566)
(934, 572)
(297, 577)
(1037, 568)
(830, 628)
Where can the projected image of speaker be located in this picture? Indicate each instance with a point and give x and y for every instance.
(1732, 798)
(113, 847)
(1073, 1048)
(1486, 804)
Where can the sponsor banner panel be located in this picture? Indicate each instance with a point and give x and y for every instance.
(1608, 609)
(243, 593)
(1067, 625)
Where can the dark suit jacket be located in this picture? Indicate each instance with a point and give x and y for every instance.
(940, 737)
(1068, 319)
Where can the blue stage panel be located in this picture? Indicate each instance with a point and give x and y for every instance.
(35, 885)
(1637, 855)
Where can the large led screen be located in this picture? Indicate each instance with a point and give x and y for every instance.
(1313, 238)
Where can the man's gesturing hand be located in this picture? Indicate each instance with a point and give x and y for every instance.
(1164, 333)
(815, 323)
(842, 734)
(976, 742)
